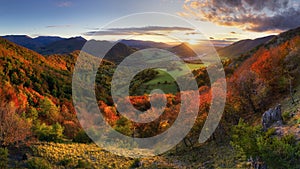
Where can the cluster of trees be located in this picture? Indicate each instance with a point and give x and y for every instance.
(142, 77)
(35, 96)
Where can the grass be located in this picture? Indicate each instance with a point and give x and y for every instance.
(194, 66)
(72, 155)
(75, 154)
(165, 81)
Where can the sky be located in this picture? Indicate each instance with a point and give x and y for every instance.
(220, 21)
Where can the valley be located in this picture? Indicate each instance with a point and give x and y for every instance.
(36, 87)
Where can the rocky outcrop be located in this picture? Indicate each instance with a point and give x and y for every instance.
(272, 117)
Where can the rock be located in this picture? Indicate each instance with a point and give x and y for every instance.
(272, 117)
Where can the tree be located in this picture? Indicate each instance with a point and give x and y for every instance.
(252, 89)
(13, 128)
(82, 137)
(49, 133)
(49, 110)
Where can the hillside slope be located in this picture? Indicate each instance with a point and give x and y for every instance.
(183, 50)
(241, 47)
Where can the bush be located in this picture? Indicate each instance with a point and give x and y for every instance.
(274, 151)
(84, 164)
(49, 133)
(3, 157)
(136, 163)
(38, 163)
(280, 152)
(286, 116)
(66, 162)
(82, 137)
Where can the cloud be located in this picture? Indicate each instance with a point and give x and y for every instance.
(251, 15)
(192, 33)
(231, 39)
(91, 28)
(64, 4)
(215, 42)
(148, 30)
(58, 26)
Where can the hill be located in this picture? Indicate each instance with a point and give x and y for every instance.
(183, 51)
(32, 43)
(234, 50)
(24, 40)
(35, 84)
(118, 52)
(46, 40)
(47, 45)
(63, 46)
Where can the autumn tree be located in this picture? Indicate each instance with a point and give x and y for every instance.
(13, 128)
(251, 89)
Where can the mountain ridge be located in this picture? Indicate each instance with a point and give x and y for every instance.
(234, 50)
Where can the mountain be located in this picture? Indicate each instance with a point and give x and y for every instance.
(37, 84)
(183, 50)
(46, 40)
(145, 44)
(63, 46)
(29, 69)
(97, 48)
(32, 43)
(241, 47)
(24, 41)
(118, 52)
(47, 45)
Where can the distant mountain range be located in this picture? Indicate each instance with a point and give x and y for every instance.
(32, 43)
(120, 50)
(63, 46)
(145, 44)
(49, 45)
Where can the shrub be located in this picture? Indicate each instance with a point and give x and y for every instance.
(136, 163)
(49, 133)
(123, 126)
(3, 157)
(67, 162)
(274, 151)
(280, 152)
(38, 163)
(286, 116)
(82, 137)
(32, 113)
(84, 164)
